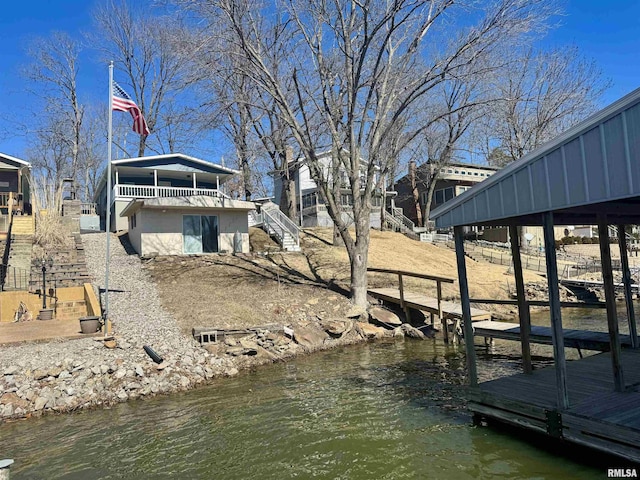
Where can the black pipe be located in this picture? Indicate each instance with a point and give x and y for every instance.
(154, 356)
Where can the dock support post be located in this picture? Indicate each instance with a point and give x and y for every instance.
(466, 307)
(443, 320)
(610, 300)
(555, 313)
(626, 280)
(403, 305)
(523, 307)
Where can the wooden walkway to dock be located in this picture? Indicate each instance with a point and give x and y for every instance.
(581, 339)
(597, 416)
(422, 302)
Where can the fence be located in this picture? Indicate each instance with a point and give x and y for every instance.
(13, 278)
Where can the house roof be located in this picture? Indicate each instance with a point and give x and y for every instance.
(181, 203)
(594, 163)
(158, 159)
(12, 163)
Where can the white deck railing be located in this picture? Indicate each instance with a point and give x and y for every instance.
(150, 191)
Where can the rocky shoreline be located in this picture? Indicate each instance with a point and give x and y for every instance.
(65, 376)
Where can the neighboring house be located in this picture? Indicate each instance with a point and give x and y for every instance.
(14, 189)
(309, 199)
(452, 180)
(174, 204)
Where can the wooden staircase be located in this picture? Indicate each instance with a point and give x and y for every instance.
(23, 225)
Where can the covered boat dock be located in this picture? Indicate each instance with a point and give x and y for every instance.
(590, 175)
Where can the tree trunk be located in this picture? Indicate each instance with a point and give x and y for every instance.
(338, 241)
(358, 259)
(414, 192)
(429, 199)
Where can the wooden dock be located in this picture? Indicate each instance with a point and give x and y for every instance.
(597, 416)
(581, 339)
(422, 302)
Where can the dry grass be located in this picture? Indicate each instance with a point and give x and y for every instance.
(236, 292)
(51, 232)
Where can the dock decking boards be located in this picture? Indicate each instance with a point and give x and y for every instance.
(584, 339)
(597, 416)
(427, 304)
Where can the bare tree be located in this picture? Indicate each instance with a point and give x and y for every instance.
(357, 68)
(151, 55)
(541, 95)
(58, 137)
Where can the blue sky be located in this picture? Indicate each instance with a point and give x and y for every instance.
(607, 32)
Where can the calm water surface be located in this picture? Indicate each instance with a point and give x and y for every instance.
(379, 411)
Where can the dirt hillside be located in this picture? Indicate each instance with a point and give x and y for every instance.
(242, 291)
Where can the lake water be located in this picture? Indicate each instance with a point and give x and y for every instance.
(388, 410)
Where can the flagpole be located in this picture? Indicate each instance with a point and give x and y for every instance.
(108, 219)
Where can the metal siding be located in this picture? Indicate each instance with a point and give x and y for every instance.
(614, 142)
(595, 163)
(633, 137)
(539, 178)
(456, 216)
(523, 190)
(575, 171)
(481, 206)
(508, 196)
(556, 178)
(468, 211)
(494, 200)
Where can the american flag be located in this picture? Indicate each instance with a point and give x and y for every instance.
(123, 103)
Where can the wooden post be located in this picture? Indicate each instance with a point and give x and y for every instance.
(626, 279)
(523, 307)
(610, 300)
(443, 320)
(466, 307)
(404, 307)
(557, 333)
(194, 183)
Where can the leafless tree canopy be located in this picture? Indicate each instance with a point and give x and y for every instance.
(357, 70)
(541, 94)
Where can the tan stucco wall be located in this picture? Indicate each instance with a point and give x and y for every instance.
(161, 232)
(135, 233)
(121, 223)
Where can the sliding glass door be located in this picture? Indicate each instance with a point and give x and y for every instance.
(200, 233)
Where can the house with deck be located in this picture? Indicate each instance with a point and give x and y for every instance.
(174, 204)
(590, 175)
(451, 180)
(311, 207)
(14, 190)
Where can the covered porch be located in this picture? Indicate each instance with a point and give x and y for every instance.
(590, 175)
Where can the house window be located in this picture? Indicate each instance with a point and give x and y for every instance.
(475, 173)
(448, 194)
(346, 199)
(376, 201)
(4, 184)
(309, 200)
(132, 221)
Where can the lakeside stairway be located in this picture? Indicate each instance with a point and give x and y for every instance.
(20, 245)
(396, 220)
(69, 268)
(277, 225)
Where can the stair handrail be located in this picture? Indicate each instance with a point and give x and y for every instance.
(285, 221)
(398, 213)
(274, 216)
